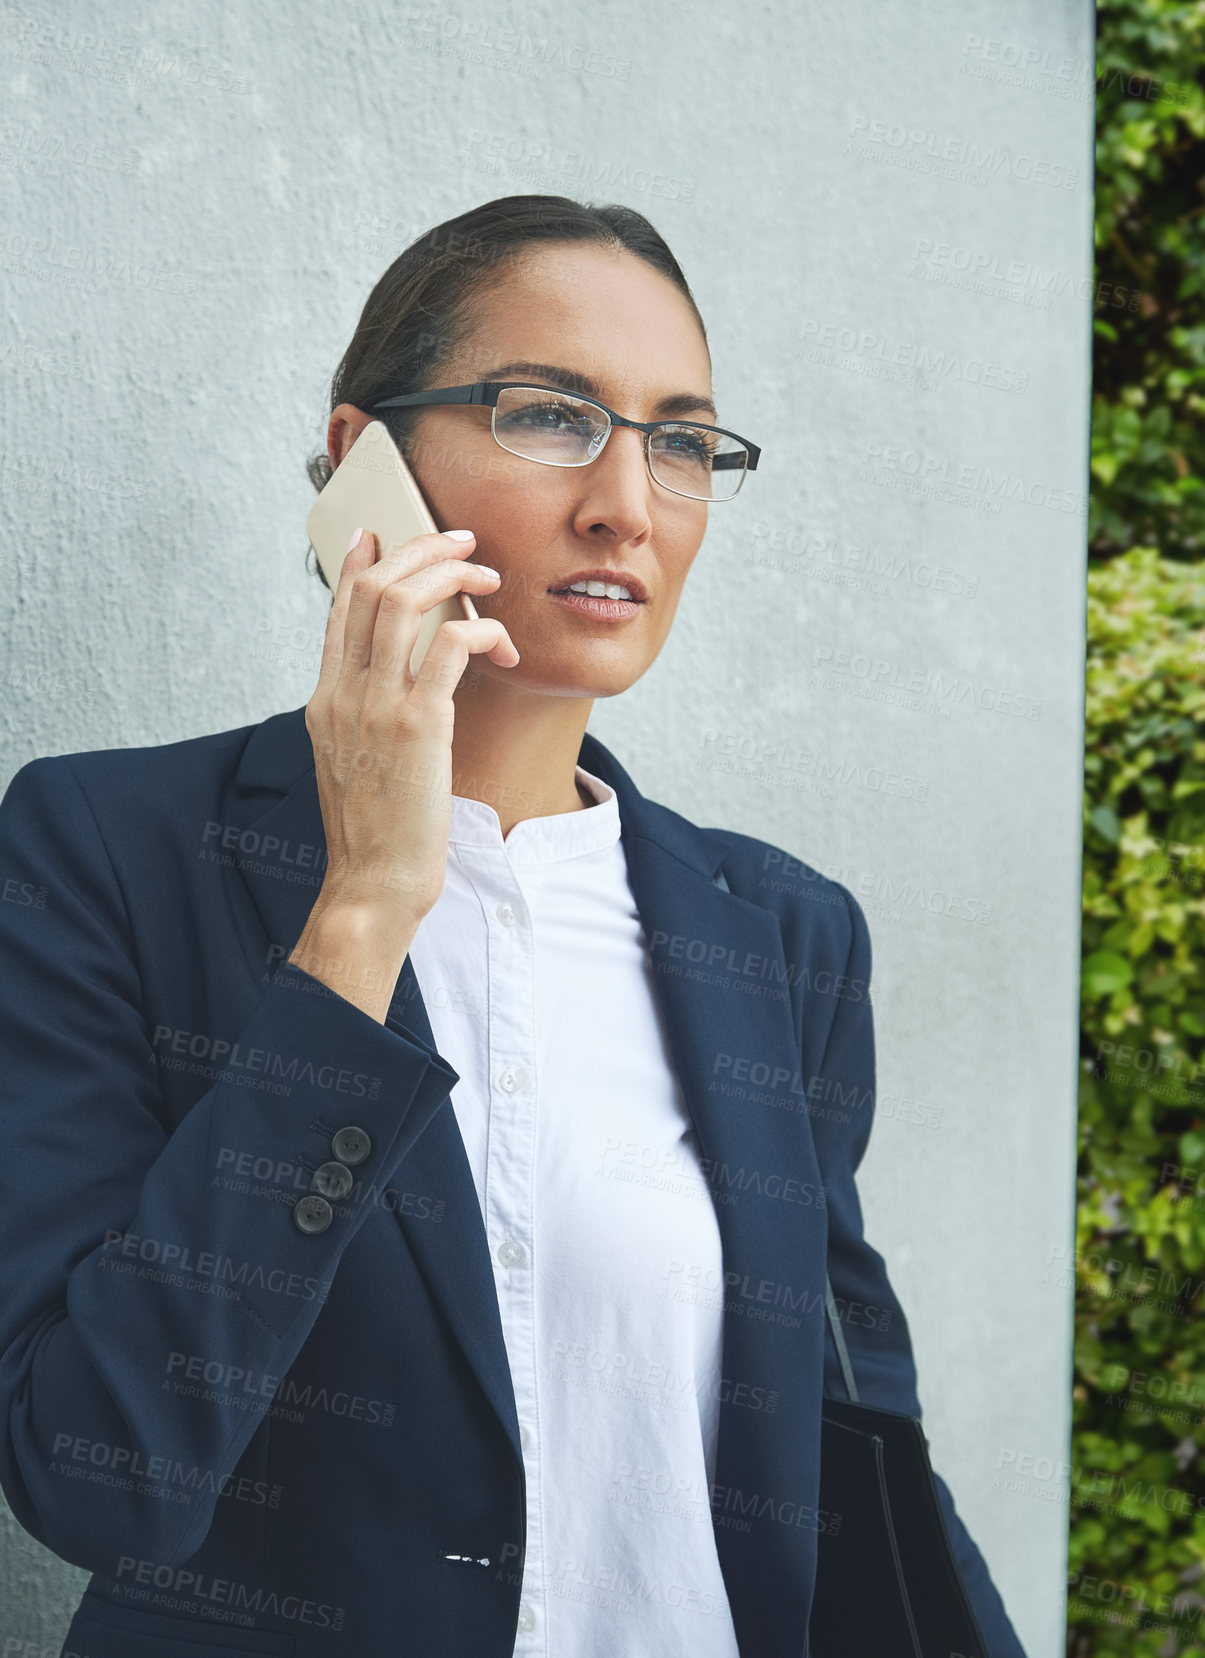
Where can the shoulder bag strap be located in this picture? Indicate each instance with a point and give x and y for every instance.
(847, 1371)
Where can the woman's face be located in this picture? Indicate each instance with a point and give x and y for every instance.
(611, 317)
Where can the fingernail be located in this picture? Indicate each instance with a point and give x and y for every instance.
(488, 571)
(460, 535)
(355, 538)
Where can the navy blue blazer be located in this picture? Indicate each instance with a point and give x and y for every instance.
(269, 1425)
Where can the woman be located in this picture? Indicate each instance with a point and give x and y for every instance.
(295, 1361)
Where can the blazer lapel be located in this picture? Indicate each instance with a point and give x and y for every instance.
(453, 1256)
(725, 990)
(723, 983)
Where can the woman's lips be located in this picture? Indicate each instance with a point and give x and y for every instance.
(602, 609)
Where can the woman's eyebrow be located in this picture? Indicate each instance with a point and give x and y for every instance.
(568, 379)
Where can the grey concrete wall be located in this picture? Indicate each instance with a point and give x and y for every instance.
(884, 211)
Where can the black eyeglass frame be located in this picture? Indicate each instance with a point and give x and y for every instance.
(485, 393)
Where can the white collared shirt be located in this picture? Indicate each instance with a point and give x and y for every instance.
(600, 1223)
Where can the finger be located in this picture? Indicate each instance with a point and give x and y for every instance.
(417, 550)
(448, 654)
(401, 610)
(360, 556)
(406, 558)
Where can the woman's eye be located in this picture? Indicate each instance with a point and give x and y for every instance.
(692, 444)
(549, 415)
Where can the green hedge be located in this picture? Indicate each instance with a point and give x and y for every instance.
(1137, 1495)
(1148, 407)
(1137, 1546)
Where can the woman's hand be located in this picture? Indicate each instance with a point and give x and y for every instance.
(382, 740)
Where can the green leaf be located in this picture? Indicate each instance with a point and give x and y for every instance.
(1104, 972)
(1106, 823)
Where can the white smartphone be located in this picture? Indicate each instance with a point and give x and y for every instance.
(372, 488)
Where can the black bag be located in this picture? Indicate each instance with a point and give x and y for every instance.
(887, 1582)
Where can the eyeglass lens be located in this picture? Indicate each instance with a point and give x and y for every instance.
(561, 430)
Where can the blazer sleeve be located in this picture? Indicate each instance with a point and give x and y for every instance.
(105, 1211)
(872, 1320)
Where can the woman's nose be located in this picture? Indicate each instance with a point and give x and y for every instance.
(625, 450)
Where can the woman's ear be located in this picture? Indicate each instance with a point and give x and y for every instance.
(346, 424)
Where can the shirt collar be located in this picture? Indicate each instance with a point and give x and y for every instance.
(541, 839)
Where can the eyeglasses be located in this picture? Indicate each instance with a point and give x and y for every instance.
(706, 463)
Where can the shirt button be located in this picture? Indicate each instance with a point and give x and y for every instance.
(511, 1253)
(511, 1080)
(332, 1180)
(526, 1616)
(506, 914)
(525, 1436)
(312, 1213)
(351, 1145)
